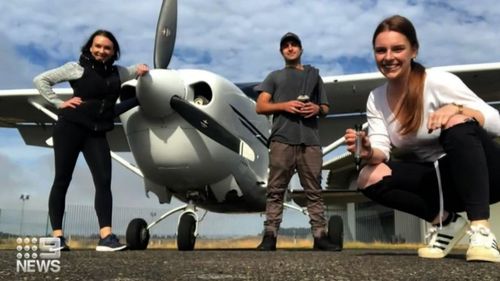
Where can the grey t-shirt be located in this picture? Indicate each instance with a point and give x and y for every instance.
(287, 84)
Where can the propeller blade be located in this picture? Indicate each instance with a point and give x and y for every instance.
(128, 99)
(125, 106)
(165, 34)
(210, 127)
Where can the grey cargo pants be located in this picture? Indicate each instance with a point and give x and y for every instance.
(284, 160)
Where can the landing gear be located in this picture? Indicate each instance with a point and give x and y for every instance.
(137, 234)
(336, 231)
(186, 237)
(138, 229)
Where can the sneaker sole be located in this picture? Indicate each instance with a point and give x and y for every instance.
(481, 255)
(109, 249)
(60, 249)
(440, 255)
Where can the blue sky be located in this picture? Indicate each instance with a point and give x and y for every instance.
(236, 39)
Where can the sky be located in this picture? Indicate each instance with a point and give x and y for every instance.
(236, 39)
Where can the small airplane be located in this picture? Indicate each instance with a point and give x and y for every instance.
(196, 136)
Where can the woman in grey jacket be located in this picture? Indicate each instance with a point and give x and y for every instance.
(83, 121)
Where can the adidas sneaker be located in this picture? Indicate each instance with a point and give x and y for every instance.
(483, 245)
(443, 239)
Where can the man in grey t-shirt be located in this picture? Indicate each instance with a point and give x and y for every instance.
(295, 96)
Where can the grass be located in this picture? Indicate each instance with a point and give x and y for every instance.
(249, 242)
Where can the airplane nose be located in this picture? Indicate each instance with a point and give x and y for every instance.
(156, 89)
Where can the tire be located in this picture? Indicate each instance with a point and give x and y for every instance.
(137, 234)
(185, 233)
(336, 231)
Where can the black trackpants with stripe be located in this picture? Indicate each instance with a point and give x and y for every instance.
(470, 174)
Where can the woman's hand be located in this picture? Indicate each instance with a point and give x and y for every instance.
(439, 118)
(350, 140)
(141, 69)
(72, 102)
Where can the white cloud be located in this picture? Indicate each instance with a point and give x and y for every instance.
(241, 38)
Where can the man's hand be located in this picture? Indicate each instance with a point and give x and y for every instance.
(293, 106)
(310, 110)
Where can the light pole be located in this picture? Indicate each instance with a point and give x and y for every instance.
(23, 198)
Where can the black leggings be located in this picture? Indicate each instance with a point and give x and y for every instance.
(69, 139)
(470, 175)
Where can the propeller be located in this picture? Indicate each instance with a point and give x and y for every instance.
(165, 34)
(210, 127)
(164, 47)
(162, 90)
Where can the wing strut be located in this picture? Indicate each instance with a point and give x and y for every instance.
(338, 142)
(115, 156)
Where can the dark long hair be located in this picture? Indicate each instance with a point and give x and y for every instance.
(102, 32)
(409, 118)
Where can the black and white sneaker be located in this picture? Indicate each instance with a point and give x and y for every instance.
(63, 246)
(483, 245)
(443, 239)
(110, 243)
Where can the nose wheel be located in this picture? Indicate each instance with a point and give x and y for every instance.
(137, 234)
(186, 237)
(138, 230)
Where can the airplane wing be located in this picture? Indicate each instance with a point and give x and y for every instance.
(330, 197)
(347, 95)
(18, 112)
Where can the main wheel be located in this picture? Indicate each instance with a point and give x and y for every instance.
(185, 233)
(137, 234)
(336, 231)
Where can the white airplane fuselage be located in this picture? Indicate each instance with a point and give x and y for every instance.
(176, 158)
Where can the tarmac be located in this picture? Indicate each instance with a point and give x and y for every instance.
(228, 265)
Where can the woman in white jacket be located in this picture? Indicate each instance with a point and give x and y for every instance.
(448, 131)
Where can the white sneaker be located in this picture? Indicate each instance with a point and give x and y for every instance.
(442, 240)
(483, 245)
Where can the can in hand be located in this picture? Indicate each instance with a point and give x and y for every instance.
(303, 98)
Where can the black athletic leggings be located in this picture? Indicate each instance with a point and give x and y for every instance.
(69, 139)
(470, 176)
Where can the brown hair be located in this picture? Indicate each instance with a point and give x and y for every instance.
(102, 32)
(409, 118)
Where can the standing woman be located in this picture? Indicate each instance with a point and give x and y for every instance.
(449, 131)
(83, 121)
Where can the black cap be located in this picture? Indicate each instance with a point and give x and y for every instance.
(290, 36)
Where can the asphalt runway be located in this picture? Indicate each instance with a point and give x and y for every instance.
(253, 265)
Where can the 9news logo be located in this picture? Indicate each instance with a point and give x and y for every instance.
(38, 255)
